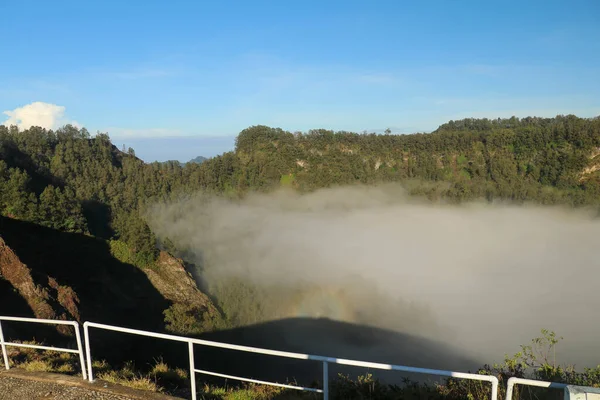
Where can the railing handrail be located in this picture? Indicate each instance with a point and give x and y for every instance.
(287, 354)
(74, 324)
(40, 320)
(510, 384)
(87, 373)
(325, 360)
(185, 339)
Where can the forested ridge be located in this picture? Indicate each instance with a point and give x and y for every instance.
(94, 199)
(72, 181)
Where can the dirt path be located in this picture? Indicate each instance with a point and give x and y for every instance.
(15, 388)
(16, 385)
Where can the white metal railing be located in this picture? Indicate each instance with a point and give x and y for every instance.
(75, 325)
(542, 384)
(191, 342)
(324, 360)
(530, 382)
(87, 373)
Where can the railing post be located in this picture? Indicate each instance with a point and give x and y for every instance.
(192, 368)
(325, 380)
(80, 348)
(3, 346)
(88, 351)
(509, 388)
(495, 388)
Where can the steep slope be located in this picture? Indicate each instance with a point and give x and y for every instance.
(547, 160)
(73, 182)
(74, 276)
(592, 169)
(172, 280)
(191, 312)
(50, 301)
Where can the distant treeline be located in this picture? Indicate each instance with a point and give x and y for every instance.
(68, 180)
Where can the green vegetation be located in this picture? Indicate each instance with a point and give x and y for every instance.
(122, 252)
(287, 180)
(42, 360)
(535, 360)
(252, 392)
(68, 180)
(159, 378)
(190, 320)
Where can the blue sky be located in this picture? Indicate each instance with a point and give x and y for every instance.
(202, 71)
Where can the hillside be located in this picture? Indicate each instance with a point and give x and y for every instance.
(47, 273)
(198, 160)
(73, 206)
(75, 242)
(22, 296)
(543, 160)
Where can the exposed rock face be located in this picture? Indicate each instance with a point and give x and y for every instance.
(191, 311)
(50, 274)
(592, 167)
(172, 280)
(67, 298)
(55, 275)
(51, 301)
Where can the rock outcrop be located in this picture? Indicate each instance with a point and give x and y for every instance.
(50, 300)
(45, 273)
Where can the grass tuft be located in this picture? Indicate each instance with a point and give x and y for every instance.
(124, 378)
(37, 366)
(535, 360)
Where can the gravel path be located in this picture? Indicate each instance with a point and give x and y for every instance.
(16, 389)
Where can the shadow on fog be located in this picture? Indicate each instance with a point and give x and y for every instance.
(322, 337)
(326, 338)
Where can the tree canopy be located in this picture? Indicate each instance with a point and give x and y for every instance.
(68, 180)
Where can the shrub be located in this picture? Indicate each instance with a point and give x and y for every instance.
(185, 319)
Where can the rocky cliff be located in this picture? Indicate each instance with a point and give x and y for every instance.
(46, 273)
(50, 300)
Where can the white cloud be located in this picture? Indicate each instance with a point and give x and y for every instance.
(45, 115)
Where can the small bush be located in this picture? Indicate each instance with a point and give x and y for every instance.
(123, 252)
(253, 392)
(133, 381)
(535, 361)
(37, 366)
(168, 376)
(190, 320)
(159, 377)
(43, 360)
(65, 369)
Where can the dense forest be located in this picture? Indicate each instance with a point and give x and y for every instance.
(72, 181)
